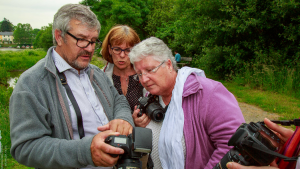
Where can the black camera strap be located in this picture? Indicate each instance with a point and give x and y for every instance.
(63, 80)
(258, 147)
(295, 122)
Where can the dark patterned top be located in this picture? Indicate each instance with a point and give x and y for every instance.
(134, 90)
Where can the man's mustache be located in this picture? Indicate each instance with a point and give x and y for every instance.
(85, 53)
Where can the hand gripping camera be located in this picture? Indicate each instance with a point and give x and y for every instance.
(134, 145)
(150, 105)
(255, 145)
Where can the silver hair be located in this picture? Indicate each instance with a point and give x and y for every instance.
(68, 12)
(154, 48)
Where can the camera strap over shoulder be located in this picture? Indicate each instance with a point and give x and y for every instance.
(64, 82)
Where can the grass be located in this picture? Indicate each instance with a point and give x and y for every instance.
(18, 60)
(286, 106)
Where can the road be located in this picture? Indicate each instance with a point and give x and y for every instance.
(254, 114)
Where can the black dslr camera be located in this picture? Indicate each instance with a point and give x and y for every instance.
(150, 105)
(255, 145)
(134, 145)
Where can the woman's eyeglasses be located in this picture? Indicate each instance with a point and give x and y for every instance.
(118, 50)
(150, 71)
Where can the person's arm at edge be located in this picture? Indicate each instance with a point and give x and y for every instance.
(32, 144)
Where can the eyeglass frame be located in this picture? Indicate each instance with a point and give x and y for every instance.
(154, 70)
(122, 50)
(90, 42)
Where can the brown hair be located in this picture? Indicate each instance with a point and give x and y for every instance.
(117, 35)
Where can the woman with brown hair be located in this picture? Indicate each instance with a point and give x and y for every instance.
(115, 49)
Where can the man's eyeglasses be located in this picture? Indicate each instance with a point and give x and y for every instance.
(118, 50)
(83, 43)
(150, 71)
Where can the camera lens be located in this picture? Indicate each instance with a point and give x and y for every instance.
(158, 115)
(155, 112)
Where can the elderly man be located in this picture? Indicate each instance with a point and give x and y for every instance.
(58, 103)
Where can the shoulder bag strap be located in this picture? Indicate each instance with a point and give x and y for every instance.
(63, 80)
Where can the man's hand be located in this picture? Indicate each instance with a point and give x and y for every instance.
(233, 165)
(117, 125)
(101, 151)
(142, 121)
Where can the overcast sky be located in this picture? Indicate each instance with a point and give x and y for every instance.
(37, 13)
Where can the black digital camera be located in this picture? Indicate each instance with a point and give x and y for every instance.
(245, 154)
(255, 145)
(135, 145)
(150, 105)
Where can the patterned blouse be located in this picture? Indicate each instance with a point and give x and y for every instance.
(134, 90)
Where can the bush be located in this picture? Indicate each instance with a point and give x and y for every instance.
(20, 60)
(4, 75)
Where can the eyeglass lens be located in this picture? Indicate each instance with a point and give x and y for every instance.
(118, 50)
(84, 43)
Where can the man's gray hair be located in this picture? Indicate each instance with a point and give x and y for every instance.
(154, 48)
(68, 12)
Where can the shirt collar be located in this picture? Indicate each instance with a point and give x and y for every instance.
(62, 65)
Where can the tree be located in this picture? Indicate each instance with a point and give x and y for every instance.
(23, 34)
(6, 26)
(112, 12)
(35, 32)
(161, 14)
(43, 38)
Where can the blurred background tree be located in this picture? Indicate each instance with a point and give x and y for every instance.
(6, 26)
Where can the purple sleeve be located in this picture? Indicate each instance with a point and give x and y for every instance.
(223, 118)
(211, 117)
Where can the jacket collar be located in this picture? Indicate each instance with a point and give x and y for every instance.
(50, 65)
(192, 85)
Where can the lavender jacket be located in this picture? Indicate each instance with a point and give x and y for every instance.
(211, 117)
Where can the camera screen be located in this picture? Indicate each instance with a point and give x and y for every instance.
(119, 140)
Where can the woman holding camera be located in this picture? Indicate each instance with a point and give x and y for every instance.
(115, 49)
(201, 114)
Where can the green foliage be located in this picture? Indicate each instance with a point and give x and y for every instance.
(254, 41)
(23, 34)
(160, 19)
(112, 12)
(5, 95)
(4, 74)
(6, 26)
(44, 38)
(97, 61)
(20, 60)
(256, 32)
